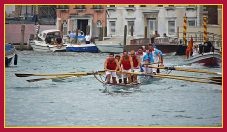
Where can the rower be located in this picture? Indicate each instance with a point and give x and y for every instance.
(111, 65)
(126, 66)
(119, 75)
(141, 55)
(157, 54)
(147, 60)
(136, 65)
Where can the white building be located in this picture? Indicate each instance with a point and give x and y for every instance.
(164, 19)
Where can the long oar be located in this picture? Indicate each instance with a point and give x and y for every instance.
(186, 79)
(59, 76)
(171, 77)
(217, 79)
(186, 70)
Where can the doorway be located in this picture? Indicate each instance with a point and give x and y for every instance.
(82, 24)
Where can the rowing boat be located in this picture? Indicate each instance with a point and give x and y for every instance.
(121, 87)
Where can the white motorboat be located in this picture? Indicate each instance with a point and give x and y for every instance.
(40, 44)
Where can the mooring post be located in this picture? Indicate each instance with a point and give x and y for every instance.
(145, 32)
(125, 34)
(22, 37)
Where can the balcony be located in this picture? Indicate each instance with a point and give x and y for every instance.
(190, 7)
(170, 8)
(130, 8)
(80, 8)
(97, 8)
(111, 7)
(62, 8)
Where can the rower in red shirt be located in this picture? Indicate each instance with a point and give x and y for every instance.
(136, 65)
(111, 65)
(126, 66)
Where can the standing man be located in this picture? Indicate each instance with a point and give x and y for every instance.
(88, 39)
(111, 65)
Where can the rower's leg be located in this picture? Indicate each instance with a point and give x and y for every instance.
(135, 78)
(114, 80)
(129, 79)
(120, 80)
(132, 78)
(125, 80)
(108, 78)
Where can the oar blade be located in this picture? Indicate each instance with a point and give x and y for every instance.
(23, 75)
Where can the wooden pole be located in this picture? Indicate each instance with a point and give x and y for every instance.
(76, 39)
(22, 37)
(125, 34)
(131, 30)
(87, 29)
(205, 29)
(100, 33)
(185, 30)
(145, 32)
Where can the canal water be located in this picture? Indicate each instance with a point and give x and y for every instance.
(81, 101)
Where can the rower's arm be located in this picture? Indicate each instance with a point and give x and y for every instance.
(116, 61)
(105, 65)
(131, 62)
(139, 63)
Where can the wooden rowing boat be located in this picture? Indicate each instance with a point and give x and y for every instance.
(121, 87)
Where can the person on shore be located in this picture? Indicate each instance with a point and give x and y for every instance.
(72, 37)
(88, 39)
(119, 75)
(111, 65)
(126, 66)
(189, 50)
(136, 65)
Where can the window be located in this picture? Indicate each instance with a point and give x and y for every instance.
(191, 23)
(112, 27)
(130, 5)
(63, 7)
(130, 27)
(97, 7)
(160, 5)
(112, 6)
(171, 27)
(142, 5)
(80, 7)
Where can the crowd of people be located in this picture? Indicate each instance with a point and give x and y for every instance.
(118, 67)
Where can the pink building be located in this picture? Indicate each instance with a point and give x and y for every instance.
(87, 18)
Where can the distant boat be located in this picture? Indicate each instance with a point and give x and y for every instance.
(41, 45)
(110, 48)
(165, 44)
(81, 48)
(207, 59)
(10, 55)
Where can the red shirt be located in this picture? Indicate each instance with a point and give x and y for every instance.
(111, 64)
(125, 63)
(135, 61)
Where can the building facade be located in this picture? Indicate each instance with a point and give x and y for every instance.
(166, 19)
(87, 18)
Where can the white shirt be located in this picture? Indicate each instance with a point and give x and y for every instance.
(87, 38)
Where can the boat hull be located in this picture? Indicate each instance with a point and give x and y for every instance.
(41, 46)
(110, 48)
(207, 59)
(10, 55)
(81, 48)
